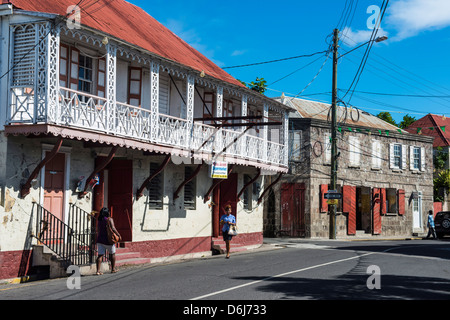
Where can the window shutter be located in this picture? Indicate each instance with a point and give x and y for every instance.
(411, 157)
(376, 216)
(64, 65)
(404, 156)
(101, 78)
(349, 206)
(383, 205)
(391, 156)
(423, 164)
(354, 150)
(74, 68)
(401, 201)
(376, 154)
(323, 201)
(164, 92)
(24, 58)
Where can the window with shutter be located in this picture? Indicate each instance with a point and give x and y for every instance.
(189, 189)
(73, 68)
(247, 193)
(376, 154)
(354, 151)
(156, 188)
(208, 107)
(24, 57)
(164, 92)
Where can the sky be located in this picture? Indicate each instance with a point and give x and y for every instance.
(406, 74)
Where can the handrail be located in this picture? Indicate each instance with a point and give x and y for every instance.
(73, 242)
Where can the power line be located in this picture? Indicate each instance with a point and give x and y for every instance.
(368, 49)
(401, 95)
(278, 60)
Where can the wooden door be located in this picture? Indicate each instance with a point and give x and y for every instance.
(120, 196)
(228, 195)
(54, 186)
(293, 209)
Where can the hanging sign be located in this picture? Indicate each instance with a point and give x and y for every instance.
(219, 170)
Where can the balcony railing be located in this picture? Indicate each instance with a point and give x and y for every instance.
(89, 112)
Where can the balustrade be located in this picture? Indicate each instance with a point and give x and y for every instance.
(89, 112)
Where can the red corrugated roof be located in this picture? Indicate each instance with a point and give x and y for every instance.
(437, 123)
(130, 23)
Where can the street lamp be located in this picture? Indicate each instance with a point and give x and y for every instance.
(334, 153)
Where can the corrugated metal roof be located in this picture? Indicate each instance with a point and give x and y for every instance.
(131, 24)
(431, 125)
(345, 116)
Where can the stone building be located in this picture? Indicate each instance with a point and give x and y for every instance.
(384, 174)
(102, 106)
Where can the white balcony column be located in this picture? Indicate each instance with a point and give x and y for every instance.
(154, 105)
(265, 132)
(53, 109)
(111, 71)
(219, 138)
(41, 71)
(244, 113)
(190, 93)
(285, 136)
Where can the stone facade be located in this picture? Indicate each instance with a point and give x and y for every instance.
(365, 162)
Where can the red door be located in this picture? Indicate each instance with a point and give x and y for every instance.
(293, 209)
(54, 186)
(376, 211)
(228, 195)
(349, 206)
(120, 196)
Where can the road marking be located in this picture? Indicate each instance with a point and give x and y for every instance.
(281, 275)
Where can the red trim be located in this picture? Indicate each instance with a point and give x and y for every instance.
(401, 202)
(349, 206)
(15, 264)
(376, 211)
(323, 201)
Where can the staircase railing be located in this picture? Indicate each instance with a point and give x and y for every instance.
(74, 241)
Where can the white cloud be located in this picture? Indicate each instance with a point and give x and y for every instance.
(411, 17)
(236, 53)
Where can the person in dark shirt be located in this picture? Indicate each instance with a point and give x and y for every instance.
(103, 244)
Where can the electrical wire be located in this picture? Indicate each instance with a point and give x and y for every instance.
(277, 60)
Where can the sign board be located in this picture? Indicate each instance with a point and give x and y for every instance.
(331, 202)
(219, 170)
(333, 196)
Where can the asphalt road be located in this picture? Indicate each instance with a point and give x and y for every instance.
(290, 270)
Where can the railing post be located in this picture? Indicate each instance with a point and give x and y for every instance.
(154, 106)
(190, 86)
(111, 73)
(265, 131)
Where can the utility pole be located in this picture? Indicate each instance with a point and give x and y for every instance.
(334, 153)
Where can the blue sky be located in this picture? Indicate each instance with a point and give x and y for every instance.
(413, 61)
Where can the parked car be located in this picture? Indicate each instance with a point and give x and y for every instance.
(442, 223)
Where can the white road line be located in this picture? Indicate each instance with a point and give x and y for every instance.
(281, 275)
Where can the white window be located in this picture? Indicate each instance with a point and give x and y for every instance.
(416, 158)
(354, 151)
(397, 156)
(376, 154)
